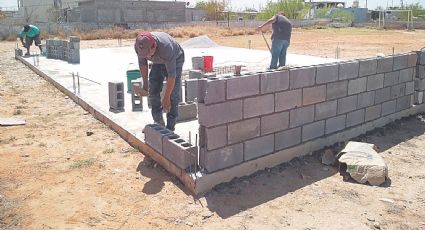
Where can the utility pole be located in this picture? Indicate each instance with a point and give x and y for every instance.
(366, 3)
(401, 4)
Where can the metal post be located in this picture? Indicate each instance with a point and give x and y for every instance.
(379, 20)
(78, 79)
(249, 44)
(73, 81)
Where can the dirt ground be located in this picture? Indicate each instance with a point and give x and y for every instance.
(55, 175)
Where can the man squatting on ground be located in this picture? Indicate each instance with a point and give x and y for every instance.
(281, 38)
(167, 57)
(31, 33)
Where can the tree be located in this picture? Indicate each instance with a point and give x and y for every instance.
(292, 8)
(213, 8)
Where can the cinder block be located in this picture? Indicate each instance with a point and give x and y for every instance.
(187, 111)
(406, 75)
(420, 84)
(412, 59)
(243, 130)
(336, 90)
(404, 102)
(421, 57)
(382, 95)
(274, 81)
(301, 116)
(214, 91)
(191, 89)
(313, 130)
(259, 147)
(389, 107)
(355, 118)
(365, 99)
(259, 105)
(116, 95)
(314, 95)
(325, 110)
(420, 71)
(347, 104)
(348, 70)
(385, 64)
(373, 112)
(287, 138)
(154, 135)
(327, 73)
(357, 85)
(215, 137)
(74, 39)
(418, 97)
(274, 123)
(302, 77)
(400, 62)
(195, 74)
(398, 90)
(368, 67)
(221, 158)
(243, 86)
(335, 124)
(217, 114)
(288, 100)
(375, 82)
(391, 78)
(179, 152)
(410, 87)
(136, 100)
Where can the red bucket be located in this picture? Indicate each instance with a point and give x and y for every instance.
(208, 63)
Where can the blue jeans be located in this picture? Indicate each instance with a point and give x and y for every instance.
(279, 48)
(156, 79)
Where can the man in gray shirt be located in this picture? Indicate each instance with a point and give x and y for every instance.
(281, 38)
(167, 57)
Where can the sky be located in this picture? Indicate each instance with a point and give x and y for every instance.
(242, 4)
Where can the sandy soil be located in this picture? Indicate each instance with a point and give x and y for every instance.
(53, 175)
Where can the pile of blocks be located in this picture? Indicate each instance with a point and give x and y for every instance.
(420, 79)
(63, 49)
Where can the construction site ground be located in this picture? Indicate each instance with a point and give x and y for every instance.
(66, 170)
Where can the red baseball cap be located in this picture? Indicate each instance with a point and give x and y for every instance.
(144, 42)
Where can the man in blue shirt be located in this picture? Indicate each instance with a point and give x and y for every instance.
(167, 57)
(31, 34)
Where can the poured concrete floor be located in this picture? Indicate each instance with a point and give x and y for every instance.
(110, 64)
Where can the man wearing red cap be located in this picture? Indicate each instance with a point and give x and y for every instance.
(167, 57)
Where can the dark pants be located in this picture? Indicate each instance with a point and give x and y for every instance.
(30, 40)
(157, 76)
(279, 48)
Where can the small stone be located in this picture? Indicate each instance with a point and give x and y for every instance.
(207, 215)
(100, 182)
(370, 219)
(137, 177)
(387, 200)
(66, 97)
(25, 155)
(377, 225)
(328, 157)
(89, 133)
(190, 224)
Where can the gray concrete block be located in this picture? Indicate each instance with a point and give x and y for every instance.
(259, 147)
(412, 59)
(221, 158)
(406, 75)
(347, 104)
(243, 130)
(243, 86)
(74, 39)
(410, 87)
(274, 81)
(404, 102)
(288, 100)
(355, 118)
(335, 124)
(187, 111)
(373, 112)
(191, 89)
(365, 99)
(418, 97)
(382, 95)
(301, 116)
(313, 130)
(274, 123)
(391, 78)
(420, 84)
(348, 70)
(302, 77)
(398, 90)
(368, 67)
(195, 74)
(375, 82)
(385, 64)
(260, 105)
(357, 85)
(287, 138)
(400, 62)
(420, 71)
(211, 91)
(217, 114)
(154, 135)
(215, 137)
(116, 95)
(179, 152)
(314, 95)
(389, 107)
(325, 110)
(327, 73)
(336, 90)
(421, 57)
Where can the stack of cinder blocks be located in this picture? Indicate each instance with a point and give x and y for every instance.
(255, 115)
(63, 49)
(171, 146)
(420, 78)
(116, 96)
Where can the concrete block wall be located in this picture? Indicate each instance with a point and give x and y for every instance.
(64, 49)
(246, 117)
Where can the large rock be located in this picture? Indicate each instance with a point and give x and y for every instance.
(364, 164)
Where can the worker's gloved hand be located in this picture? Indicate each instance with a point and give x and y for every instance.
(166, 104)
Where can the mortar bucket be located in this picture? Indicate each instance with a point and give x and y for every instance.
(208, 63)
(132, 75)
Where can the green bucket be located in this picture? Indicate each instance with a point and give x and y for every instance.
(132, 75)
